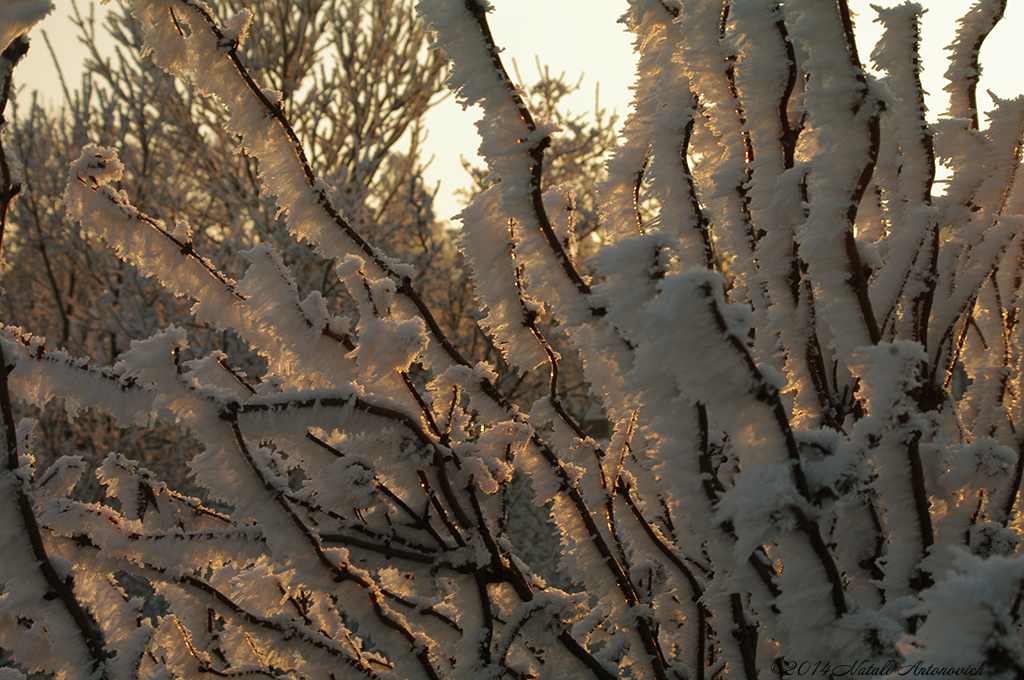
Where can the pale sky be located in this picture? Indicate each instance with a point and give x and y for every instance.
(581, 36)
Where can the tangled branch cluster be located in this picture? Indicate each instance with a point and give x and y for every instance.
(810, 358)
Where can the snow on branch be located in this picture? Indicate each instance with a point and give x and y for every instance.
(807, 357)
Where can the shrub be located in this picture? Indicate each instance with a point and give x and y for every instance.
(797, 479)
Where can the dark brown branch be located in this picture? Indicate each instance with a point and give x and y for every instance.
(766, 392)
(701, 222)
(236, 375)
(504, 567)
(354, 402)
(622, 581)
(536, 153)
(709, 478)
(446, 486)
(769, 395)
(828, 564)
(696, 589)
(831, 409)
(314, 639)
(637, 184)
(88, 630)
(974, 76)
(788, 135)
(186, 249)
(404, 284)
(953, 354)
(63, 307)
(442, 514)
(748, 145)
(419, 521)
(858, 279)
(529, 319)
(428, 415)
(1015, 483)
(8, 60)
(921, 500)
(713, 488)
(745, 634)
(925, 136)
(340, 573)
(483, 596)
(379, 548)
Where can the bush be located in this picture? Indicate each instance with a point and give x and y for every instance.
(809, 356)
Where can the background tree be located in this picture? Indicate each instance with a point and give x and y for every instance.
(182, 164)
(791, 476)
(316, 55)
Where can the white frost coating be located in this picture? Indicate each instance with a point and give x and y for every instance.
(510, 141)
(292, 414)
(632, 269)
(91, 199)
(50, 644)
(761, 78)
(263, 308)
(963, 71)
(61, 477)
(978, 238)
(346, 483)
(671, 127)
(775, 190)
(706, 359)
(40, 375)
(988, 404)
(652, 25)
(489, 247)
(580, 557)
(495, 449)
(19, 16)
(708, 67)
(579, 455)
(803, 513)
(388, 344)
(290, 333)
(906, 167)
(506, 138)
(542, 271)
(236, 29)
(533, 621)
(889, 372)
(970, 621)
(836, 105)
(248, 477)
(764, 501)
(204, 58)
(972, 470)
(898, 47)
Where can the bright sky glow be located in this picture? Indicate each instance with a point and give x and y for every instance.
(579, 37)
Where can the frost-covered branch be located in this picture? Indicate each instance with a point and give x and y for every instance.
(808, 354)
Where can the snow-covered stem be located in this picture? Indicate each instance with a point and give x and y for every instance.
(809, 359)
(964, 70)
(9, 58)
